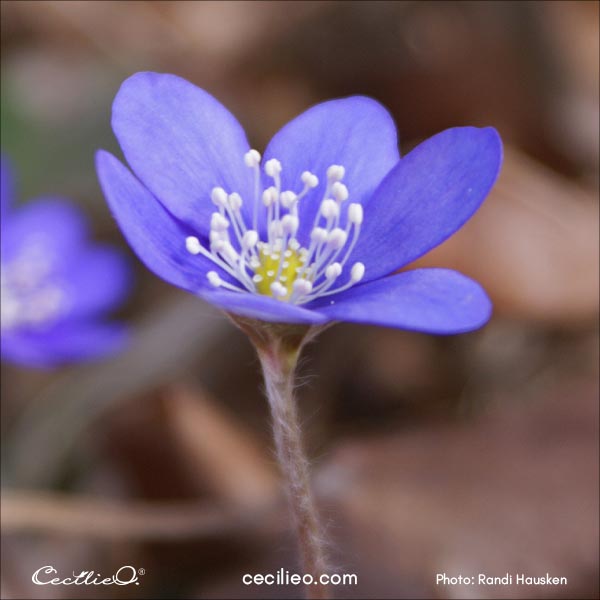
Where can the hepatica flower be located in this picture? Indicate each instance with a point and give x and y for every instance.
(312, 231)
(56, 286)
(307, 234)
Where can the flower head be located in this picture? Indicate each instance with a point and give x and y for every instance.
(311, 231)
(55, 285)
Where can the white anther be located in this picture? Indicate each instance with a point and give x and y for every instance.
(252, 158)
(235, 201)
(269, 196)
(355, 213)
(278, 290)
(193, 245)
(272, 167)
(357, 272)
(336, 238)
(290, 224)
(318, 235)
(301, 287)
(330, 208)
(257, 278)
(339, 191)
(287, 199)
(218, 222)
(249, 239)
(336, 173)
(214, 279)
(219, 196)
(309, 179)
(333, 271)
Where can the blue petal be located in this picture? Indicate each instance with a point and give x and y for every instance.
(261, 307)
(427, 197)
(55, 225)
(429, 300)
(6, 187)
(357, 133)
(181, 143)
(156, 237)
(98, 281)
(65, 342)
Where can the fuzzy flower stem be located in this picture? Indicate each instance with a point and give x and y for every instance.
(278, 350)
(279, 381)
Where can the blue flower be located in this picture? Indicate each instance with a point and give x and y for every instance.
(309, 233)
(55, 284)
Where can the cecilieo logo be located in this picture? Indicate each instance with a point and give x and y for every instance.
(126, 575)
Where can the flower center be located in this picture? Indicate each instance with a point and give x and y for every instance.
(268, 272)
(27, 297)
(277, 265)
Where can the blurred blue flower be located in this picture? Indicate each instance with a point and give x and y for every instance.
(310, 233)
(56, 286)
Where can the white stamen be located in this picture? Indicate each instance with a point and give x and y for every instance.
(250, 239)
(252, 158)
(309, 179)
(339, 191)
(302, 287)
(193, 245)
(329, 209)
(355, 214)
(357, 272)
(333, 271)
(275, 229)
(278, 290)
(235, 202)
(287, 199)
(216, 236)
(269, 196)
(227, 251)
(318, 235)
(219, 197)
(214, 279)
(336, 173)
(218, 222)
(289, 224)
(337, 238)
(272, 167)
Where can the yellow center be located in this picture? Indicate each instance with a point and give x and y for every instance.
(268, 270)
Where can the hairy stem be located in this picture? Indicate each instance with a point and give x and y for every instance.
(279, 363)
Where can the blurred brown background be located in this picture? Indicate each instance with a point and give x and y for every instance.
(475, 453)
